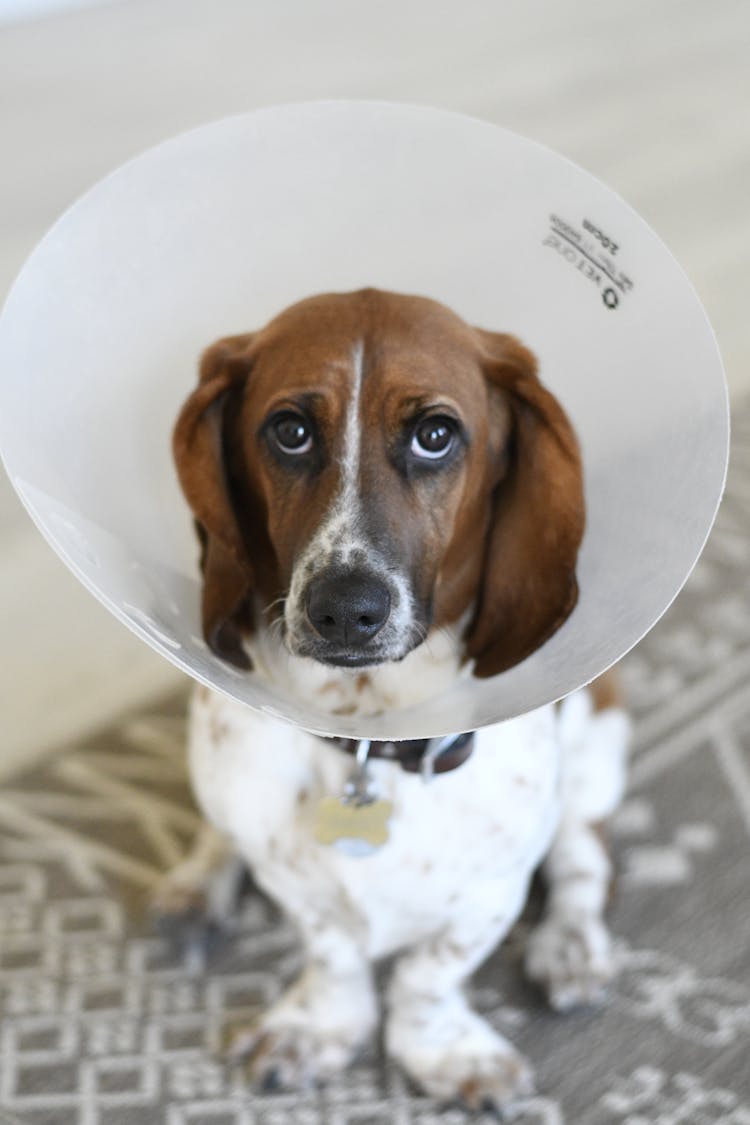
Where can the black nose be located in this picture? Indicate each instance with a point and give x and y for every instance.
(348, 610)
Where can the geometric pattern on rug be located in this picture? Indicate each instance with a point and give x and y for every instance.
(105, 1022)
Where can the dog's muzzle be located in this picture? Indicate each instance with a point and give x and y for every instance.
(347, 611)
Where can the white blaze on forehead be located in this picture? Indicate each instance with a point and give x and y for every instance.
(347, 502)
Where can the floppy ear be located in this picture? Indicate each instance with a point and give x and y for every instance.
(528, 586)
(199, 453)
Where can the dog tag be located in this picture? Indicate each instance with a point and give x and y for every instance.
(355, 830)
(357, 822)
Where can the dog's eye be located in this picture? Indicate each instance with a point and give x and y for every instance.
(292, 434)
(433, 438)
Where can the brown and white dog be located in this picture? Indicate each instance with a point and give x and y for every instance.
(388, 498)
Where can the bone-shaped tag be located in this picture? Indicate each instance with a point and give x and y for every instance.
(355, 828)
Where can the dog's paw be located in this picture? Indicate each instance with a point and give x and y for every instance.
(194, 906)
(455, 1056)
(288, 1057)
(572, 960)
(193, 890)
(179, 914)
(310, 1034)
(174, 897)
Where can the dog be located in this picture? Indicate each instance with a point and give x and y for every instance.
(388, 498)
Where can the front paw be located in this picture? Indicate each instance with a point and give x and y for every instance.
(311, 1034)
(290, 1058)
(178, 894)
(571, 959)
(193, 909)
(454, 1055)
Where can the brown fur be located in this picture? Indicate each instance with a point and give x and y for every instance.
(498, 531)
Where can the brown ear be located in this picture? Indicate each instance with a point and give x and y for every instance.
(198, 448)
(528, 585)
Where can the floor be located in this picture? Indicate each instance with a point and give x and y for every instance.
(652, 99)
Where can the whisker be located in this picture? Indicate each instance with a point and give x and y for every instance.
(276, 627)
(423, 633)
(277, 601)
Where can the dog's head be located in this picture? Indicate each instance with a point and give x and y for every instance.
(368, 466)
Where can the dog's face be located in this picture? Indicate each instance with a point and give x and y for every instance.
(367, 467)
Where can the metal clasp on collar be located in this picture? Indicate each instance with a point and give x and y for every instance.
(432, 753)
(358, 788)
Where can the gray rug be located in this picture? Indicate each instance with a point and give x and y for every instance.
(105, 1022)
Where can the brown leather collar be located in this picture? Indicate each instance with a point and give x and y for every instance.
(410, 753)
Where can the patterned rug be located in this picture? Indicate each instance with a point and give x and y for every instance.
(107, 1023)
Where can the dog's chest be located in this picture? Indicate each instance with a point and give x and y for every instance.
(453, 843)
